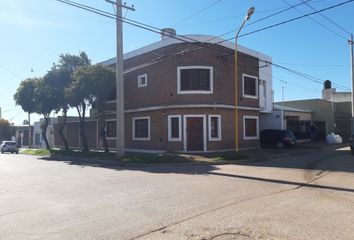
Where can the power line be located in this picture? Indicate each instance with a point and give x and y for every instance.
(9, 110)
(303, 75)
(193, 41)
(289, 83)
(11, 72)
(291, 20)
(319, 23)
(126, 20)
(196, 13)
(328, 19)
(316, 65)
(264, 18)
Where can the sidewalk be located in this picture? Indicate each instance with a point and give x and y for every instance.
(263, 154)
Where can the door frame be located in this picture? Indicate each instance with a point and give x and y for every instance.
(185, 130)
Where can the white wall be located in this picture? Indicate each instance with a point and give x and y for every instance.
(265, 74)
(270, 120)
(50, 133)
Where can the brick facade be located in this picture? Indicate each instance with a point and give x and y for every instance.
(160, 98)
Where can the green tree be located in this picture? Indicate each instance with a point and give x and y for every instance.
(45, 104)
(103, 84)
(25, 95)
(92, 84)
(59, 78)
(34, 95)
(5, 130)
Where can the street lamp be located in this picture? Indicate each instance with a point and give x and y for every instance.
(250, 11)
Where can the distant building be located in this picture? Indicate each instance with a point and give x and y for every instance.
(330, 94)
(331, 114)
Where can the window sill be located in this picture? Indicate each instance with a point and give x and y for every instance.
(141, 139)
(195, 92)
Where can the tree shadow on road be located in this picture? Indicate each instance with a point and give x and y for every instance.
(333, 159)
(182, 167)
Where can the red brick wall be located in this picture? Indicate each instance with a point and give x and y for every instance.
(72, 132)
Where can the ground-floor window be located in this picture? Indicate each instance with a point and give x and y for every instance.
(174, 128)
(111, 128)
(214, 127)
(250, 127)
(141, 128)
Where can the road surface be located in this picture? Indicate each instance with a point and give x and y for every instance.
(308, 196)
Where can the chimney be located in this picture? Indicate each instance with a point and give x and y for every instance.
(167, 32)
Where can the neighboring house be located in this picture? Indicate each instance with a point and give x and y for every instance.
(180, 96)
(22, 135)
(72, 133)
(37, 139)
(328, 116)
(294, 119)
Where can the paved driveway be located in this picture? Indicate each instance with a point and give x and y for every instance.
(300, 197)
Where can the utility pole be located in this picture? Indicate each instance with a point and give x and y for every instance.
(351, 42)
(120, 135)
(282, 105)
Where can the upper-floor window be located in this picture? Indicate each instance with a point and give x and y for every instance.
(195, 79)
(142, 80)
(249, 86)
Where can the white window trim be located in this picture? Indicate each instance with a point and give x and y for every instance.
(243, 86)
(110, 120)
(141, 76)
(179, 91)
(185, 131)
(133, 130)
(219, 128)
(244, 127)
(170, 138)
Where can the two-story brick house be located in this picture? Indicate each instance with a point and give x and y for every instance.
(179, 96)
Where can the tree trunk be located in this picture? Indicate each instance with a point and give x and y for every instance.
(44, 130)
(82, 128)
(61, 129)
(104, 133)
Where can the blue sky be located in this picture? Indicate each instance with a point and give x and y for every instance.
(34, 33)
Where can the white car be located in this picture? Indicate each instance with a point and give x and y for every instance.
(9, 146)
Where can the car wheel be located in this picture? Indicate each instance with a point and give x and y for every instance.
(16, 152)
(280, 145)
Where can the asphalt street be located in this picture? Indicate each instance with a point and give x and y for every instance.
(309, 196)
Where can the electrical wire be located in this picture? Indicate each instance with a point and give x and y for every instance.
(303, 75)
(11, 72)
(264, 18)
(314, 20)
(196, 13)
(126, 20)
(289, 83)
(291, 20)
(190, 40)
(327, 18)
